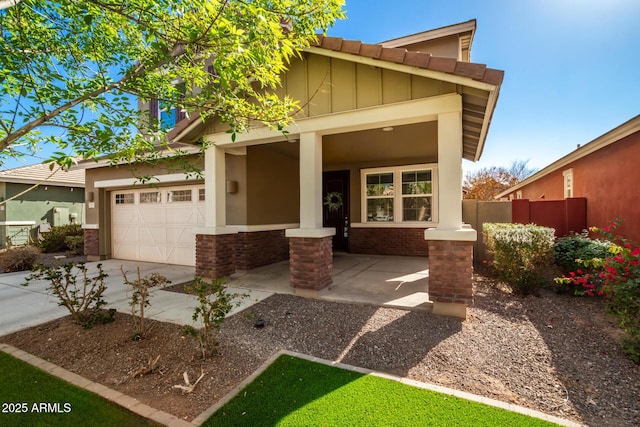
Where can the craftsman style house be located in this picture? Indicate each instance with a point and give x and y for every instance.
(373, 164)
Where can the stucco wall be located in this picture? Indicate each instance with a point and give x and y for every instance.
(38, 205)
(607, 178)
(273, 184)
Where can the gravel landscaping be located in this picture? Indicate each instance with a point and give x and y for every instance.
(553, 353)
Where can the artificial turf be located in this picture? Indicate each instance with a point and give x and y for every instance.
(297, 392)
(31, 397)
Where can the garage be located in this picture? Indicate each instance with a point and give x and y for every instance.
(156, 224)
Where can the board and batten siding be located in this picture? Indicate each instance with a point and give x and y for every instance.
(324, 85)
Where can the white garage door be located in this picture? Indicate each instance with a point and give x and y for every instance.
(156, 224)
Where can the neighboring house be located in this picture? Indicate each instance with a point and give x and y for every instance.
(605, 172)
(373, 165)
(33, 198)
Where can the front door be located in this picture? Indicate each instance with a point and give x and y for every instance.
(335, 206)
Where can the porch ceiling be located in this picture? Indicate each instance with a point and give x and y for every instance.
(375, 145)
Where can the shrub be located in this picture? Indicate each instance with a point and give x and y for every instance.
(140, 298)
(520, 254)
(85, 300)
(54, 240)
(18, 258)
(619, 271)
(569, 250)
(75, 244)
(215, 304)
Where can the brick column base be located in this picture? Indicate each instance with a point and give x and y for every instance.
(451, 276)
(311, 262)
(215, 255)
(92, 243)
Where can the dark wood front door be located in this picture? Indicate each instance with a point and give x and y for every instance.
(335, 206)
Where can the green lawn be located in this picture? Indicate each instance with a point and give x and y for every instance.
(44, 400)
(296, 392)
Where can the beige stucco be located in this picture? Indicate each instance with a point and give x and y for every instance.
(273, 189)
(446, 47)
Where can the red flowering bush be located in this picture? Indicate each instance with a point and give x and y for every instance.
(619, 275)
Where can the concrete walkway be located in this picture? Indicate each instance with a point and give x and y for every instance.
(368, 279)
(26, 306)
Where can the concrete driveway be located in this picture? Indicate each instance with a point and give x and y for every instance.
(22, 307)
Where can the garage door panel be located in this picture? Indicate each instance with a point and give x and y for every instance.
(152, 234)
(156, 230)
(180, 236)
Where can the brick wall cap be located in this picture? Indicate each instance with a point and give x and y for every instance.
(215, 231)
(316, 233)
(460, 235)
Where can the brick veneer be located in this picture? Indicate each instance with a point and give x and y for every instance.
(215, 255)
(91, 242)
(258, 248)
(310, 262)
(451, 271)
(388, 241)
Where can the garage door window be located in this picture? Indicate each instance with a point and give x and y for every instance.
(179, 196)
(124, 199)
(150, 197)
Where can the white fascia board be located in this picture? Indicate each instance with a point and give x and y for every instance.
(486, 122)
(416, 111)
(101, 163)
(402, 68)
(130, 182)
(437, 33)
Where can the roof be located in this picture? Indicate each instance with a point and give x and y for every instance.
(41, 174)
(436, 33)
(423, 60)
(627, 128)
(464, 30)
(479, 85)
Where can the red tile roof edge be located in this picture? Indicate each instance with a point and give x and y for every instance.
(423, 60)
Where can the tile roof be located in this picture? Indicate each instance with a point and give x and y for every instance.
(40, 172)
(478, 72)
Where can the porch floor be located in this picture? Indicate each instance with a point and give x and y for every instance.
(391, 281)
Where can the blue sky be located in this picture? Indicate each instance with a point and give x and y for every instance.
(572, 67)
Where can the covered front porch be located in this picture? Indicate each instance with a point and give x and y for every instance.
(380, 280)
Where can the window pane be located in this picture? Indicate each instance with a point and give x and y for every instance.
(416, 182)
(416, 209)
(124, 199)
(150, 197)
(380, 210)
(168, 119)
(380, 184)
(201, 194)
(179, 196)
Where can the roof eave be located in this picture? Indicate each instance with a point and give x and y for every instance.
(627, 128)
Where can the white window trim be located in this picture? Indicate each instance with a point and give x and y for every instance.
(397, 197)
(567, 183)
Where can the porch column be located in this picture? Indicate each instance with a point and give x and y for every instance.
(451, 243)
(310, 246)
(215, 243)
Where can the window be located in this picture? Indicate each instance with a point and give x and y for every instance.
(124, 199)
(150, 197)
(568, 183)
(166, 113)
(399, 194)
(201, 194)
(179, 196)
